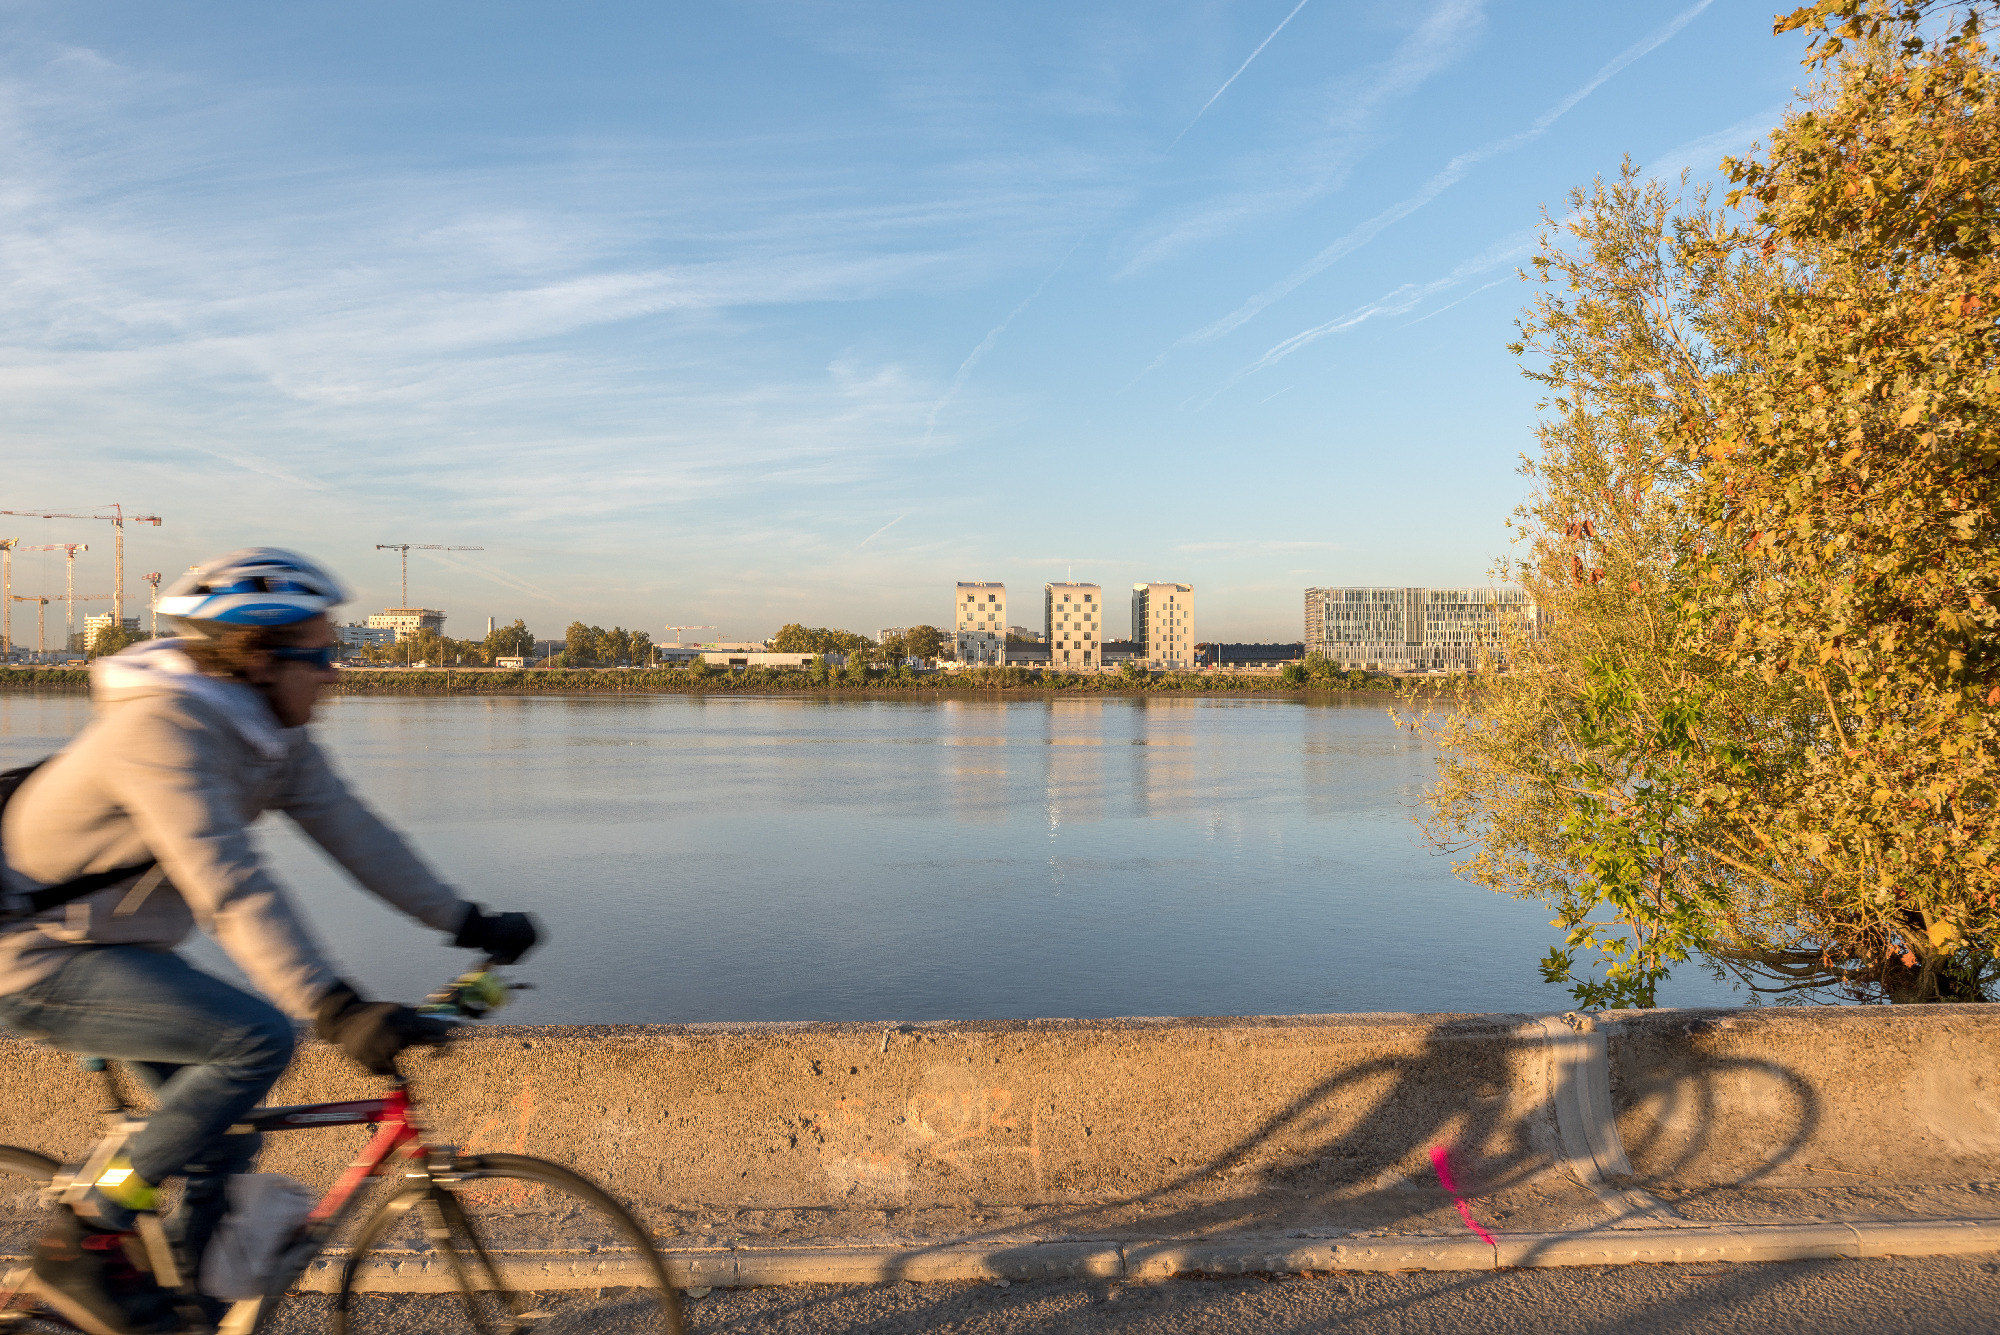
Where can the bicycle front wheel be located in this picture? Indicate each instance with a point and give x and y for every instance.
(505, 1245)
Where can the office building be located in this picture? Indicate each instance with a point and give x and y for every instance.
(1412, 629)
(408, 621)
(1163, 624)
(355, 638)
(979, 621)
(1073, 624)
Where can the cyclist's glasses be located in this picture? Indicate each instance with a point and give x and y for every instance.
(321, 658)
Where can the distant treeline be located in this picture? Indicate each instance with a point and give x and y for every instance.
(443, 681)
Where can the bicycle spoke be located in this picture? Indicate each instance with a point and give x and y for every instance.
(529, 1246)
(461, 1226)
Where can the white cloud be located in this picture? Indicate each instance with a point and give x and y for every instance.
(527, 341)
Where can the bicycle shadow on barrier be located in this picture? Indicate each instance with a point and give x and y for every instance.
(1351, 1155)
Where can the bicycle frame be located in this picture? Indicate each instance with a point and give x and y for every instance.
(398, 1131)
(397, 1128)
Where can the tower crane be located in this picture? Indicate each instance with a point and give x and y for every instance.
(7, 546)
(117, 519)
(405, 548)
(69, 551)
(677, 637)
(41, 608)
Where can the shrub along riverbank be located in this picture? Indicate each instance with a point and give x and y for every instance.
(535, 681)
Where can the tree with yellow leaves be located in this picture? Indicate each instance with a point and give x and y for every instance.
(1760, 724)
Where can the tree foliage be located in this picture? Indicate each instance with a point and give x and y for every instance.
(515, 641)
(111, 638)
(799, 639)
(593, 646)
(428, 646)
(925, 642)
(1759, 723)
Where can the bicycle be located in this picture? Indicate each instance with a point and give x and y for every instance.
(463, 1210)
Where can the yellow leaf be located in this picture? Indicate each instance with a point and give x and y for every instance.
(1910, 415)
(1944, 935)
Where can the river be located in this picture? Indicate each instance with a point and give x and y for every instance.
(786, 858)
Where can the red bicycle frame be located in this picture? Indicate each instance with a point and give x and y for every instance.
(396, 1130)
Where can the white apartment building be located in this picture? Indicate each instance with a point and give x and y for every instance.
(1073, 624)
(93, 626)
(979, 621)
(408, 621)
(1163, 625)
(1412, 629)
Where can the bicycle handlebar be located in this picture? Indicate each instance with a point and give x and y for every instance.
(471, 996)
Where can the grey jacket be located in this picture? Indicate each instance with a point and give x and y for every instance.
(176, 766)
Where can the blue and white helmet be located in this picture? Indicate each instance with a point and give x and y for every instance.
(258, 586)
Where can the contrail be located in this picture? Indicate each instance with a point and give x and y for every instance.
(1448, 176)
(1239, 70)
(1400, 301)
(884, 529)
(1449, 304)
(986, 345)
(496, 574)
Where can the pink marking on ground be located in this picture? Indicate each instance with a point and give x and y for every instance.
(1441, 1160)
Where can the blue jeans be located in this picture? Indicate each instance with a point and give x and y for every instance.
(209, 1051)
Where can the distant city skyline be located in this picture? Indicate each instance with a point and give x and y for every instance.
(740, 315)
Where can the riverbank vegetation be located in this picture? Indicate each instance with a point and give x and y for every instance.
(1760, 725)
(814, 680)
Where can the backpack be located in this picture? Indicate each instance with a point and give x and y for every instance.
(15, 907)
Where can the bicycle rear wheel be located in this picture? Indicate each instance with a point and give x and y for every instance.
(505, 1245)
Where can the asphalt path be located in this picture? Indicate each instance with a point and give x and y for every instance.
(1923, 1296)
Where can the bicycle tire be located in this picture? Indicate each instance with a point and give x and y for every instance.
(469, 1241)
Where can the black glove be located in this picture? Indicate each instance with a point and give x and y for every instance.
(373, 1032)
(504, 936)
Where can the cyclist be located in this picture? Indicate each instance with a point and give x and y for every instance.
(192, 738)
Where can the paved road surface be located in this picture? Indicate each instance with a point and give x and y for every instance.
(1924, 1296)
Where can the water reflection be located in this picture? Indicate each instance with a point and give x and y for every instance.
(738, 858)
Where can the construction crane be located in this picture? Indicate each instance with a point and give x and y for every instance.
(405, 549)
(7, 546)
(40, 611)
(69, 551)
(677, 637)
(117, 519)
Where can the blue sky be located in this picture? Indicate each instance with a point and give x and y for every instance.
(741, 314)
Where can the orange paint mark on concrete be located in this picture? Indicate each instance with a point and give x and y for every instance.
(508, 1193)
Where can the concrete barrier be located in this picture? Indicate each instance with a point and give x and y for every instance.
(758, 1153)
